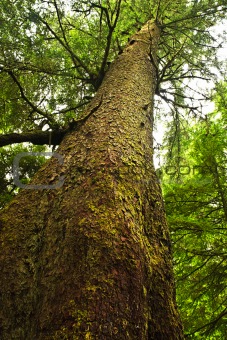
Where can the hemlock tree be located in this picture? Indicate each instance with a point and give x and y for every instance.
(91, 259)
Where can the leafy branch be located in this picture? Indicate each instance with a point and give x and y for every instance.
(75, 58)
(35, 108)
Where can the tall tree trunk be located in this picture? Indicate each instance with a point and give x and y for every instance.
(92, 259)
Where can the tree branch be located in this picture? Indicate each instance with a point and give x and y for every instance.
(40, 137)
(184, 106)
(209, 324)
(208, 12)
(76, 60)
(37, 137)
(109, 40)
(27, 100)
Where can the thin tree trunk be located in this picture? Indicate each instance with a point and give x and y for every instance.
(92, 260)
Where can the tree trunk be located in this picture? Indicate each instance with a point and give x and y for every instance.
(92, 259)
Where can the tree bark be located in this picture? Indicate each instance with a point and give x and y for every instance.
(92, 259)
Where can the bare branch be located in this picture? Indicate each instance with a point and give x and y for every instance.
(37, 137)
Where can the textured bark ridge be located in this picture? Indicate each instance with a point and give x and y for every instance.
(92, 260)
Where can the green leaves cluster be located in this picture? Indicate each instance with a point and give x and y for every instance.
(27, 168)
(54, 55)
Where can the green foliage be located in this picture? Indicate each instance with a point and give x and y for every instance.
(196, 205)
(28, 166)
(54, 56)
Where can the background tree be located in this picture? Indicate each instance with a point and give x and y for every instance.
(194, 183)
(53, 59)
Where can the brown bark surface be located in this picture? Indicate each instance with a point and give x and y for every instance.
(92, 260)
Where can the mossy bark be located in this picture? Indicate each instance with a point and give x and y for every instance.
(92, 259)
